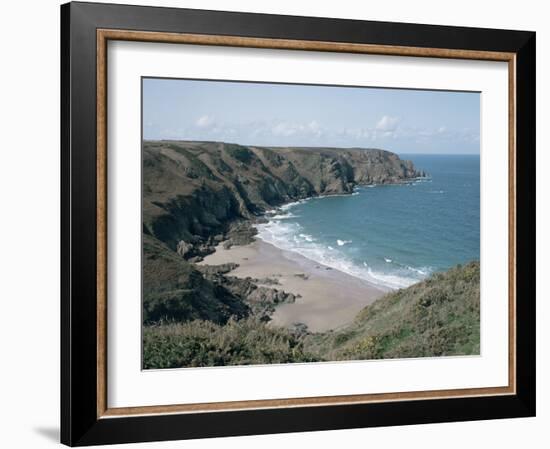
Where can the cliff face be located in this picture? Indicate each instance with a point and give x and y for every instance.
(192, 191)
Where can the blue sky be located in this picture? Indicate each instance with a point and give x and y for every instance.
(399, 120)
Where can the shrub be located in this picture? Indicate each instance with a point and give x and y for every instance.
(204, 343)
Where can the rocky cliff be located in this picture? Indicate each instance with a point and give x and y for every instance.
(194, 191)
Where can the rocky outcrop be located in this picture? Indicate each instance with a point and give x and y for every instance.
(175, 290)
(261, 299)
(183, 248)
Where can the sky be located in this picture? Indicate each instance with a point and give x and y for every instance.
(399, 120)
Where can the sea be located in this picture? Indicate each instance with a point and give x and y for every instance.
(389, 235)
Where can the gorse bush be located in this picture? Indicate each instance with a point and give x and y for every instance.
(204, 343)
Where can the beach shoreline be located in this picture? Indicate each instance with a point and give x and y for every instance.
(327, 298)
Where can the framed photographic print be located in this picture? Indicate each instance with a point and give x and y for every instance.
(277, 224)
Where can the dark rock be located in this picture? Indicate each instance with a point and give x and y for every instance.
(267, 281)
(212, 270)
(298, 329)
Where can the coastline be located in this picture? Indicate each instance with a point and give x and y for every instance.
(228, 280)
(194, 217)
(328, 298)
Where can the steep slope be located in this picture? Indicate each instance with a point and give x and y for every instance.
(173, 289)
(439, 316)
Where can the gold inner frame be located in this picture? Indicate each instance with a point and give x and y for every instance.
(104, 35)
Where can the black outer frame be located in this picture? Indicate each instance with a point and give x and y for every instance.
(79, 423)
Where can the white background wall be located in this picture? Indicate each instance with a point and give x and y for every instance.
(29, 224)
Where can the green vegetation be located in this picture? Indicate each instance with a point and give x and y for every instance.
(203, 343)
(238, 152)
(436, 317)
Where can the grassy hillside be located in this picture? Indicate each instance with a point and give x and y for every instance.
(436, 317)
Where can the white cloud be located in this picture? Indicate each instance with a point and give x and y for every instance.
(284, 129)
(204, 121)
(387, 123)
(287, 129)
(385, 133)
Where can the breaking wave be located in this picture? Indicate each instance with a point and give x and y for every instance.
(288, 235)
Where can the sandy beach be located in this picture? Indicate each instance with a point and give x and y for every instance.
(329, 298)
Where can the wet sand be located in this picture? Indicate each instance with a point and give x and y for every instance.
(329, 298)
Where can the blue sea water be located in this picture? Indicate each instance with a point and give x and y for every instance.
(392, 235)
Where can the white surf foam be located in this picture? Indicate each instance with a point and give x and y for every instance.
(307, 237)
(342, 242)
(424, 271)
(287, 236)
(284, 216)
